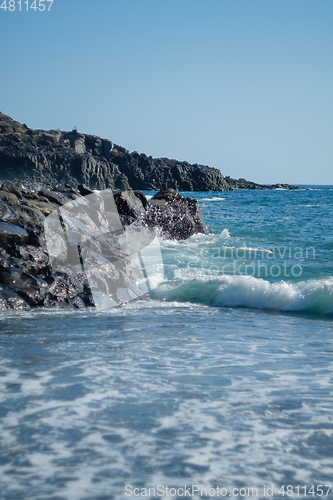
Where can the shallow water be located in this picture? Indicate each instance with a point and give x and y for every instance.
(220, 380)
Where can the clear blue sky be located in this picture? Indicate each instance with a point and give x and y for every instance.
(242, 85)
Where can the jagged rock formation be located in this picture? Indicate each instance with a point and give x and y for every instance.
(38, 158)
(178, 217)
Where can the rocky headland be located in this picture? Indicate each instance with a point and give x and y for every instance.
(40, 158)
(73, 214)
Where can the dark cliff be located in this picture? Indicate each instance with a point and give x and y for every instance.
(37, 157)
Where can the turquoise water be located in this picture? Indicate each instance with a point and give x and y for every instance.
(222, 380)
(269, 250)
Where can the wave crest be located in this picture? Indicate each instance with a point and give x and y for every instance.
(313, 296)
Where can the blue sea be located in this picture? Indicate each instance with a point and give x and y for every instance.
(221, 385)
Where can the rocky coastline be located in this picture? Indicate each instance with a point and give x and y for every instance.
(40, 158)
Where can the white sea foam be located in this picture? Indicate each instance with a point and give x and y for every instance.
(214, 198)
(302, 205)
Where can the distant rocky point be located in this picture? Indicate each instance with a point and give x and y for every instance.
(244, 184)
(39, 158)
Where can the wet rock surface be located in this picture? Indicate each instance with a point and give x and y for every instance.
(176, 216)
(64, 247)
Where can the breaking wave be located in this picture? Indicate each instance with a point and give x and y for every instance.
(312, 296)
